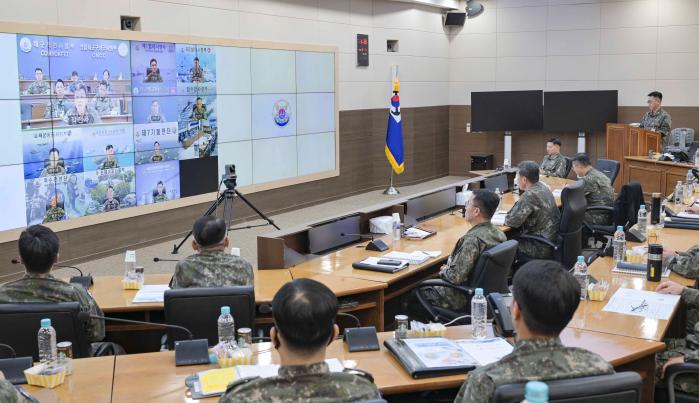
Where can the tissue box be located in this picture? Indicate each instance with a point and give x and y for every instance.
(50, 380)
(231, 362)
(381, 225)
(128, 284)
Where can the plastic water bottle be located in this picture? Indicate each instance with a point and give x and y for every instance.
(47, 342)
(479, 314)
(499, 193)
(642, 219)
(226, 326)
(619, 244)
(689, 187)
(536, 392)
(580, 273)
(678, 194)
(395, 230)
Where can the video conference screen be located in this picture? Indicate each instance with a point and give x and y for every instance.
(577, 111)
(98, 125)
(507, 110)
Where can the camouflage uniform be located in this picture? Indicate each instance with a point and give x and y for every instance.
(8, 394)
(158, 198)
(598, 192)
(109, 164)
(687, 347)
(48, 171)
(196, 74)
(110, 205)
(303, 383)
(72, 117)
(156, 158)
(153, 76)
(38, 88)
(54, 214)
(531, 360)
(199, 114)
(462, 259)
(660, 122)
(57, 108)
(535, 213)
(159, 118)
(212, 269)
(687, 264)
(49, 289)
(103, 106)
(554, 165)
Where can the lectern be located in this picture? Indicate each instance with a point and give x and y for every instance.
(624, 140)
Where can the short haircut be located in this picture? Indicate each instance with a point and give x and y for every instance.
(156, 143)
(60, 81)
(160, 183)
(199, 99)
(582, 159)
(153, 60)
(555, 141)
(209, 230)
(487, 201)
(38, 248)
(108, 147)
(74, 73)
(547, 294)
(529, 170)
(656, 94)
(54, 150)
(107, 71)
(304, 312)
(196, 58)
(104, 82)
(38, 69)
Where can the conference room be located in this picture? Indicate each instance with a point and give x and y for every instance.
(349, 201)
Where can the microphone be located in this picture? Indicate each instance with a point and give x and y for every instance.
(86, 316)
(376, 245)
(157, 259)
(60, 266)
(349, 315)
(9, 348)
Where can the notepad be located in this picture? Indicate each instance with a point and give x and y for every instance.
(416, 257)
(151, 293)
(215, 381)
(644, 303)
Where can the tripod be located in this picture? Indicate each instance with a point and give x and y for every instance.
(226, 198)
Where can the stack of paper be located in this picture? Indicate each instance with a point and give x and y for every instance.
(486, 351)
(270, 370)
(499, 218)
(416, 233)
(151, 293)
(649, 304)
(416, 257)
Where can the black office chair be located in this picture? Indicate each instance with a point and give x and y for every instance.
(198, 309)
(624, 212)
(609, 168)
(490, 273)
(568, 243)
(21, 323)
(622, 387)
(497, 181)
(667, 393)
(569, 166)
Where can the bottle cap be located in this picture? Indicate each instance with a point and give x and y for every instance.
(213, 358)
(479, 291)
(581, 259)
(643, 206)
(225, 310)
(396, 217)
(45, 322)
(536, 391)
(620, 228)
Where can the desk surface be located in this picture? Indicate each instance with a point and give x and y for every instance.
(91, 381)
(153, 377)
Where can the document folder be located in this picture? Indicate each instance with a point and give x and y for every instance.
(418, 369)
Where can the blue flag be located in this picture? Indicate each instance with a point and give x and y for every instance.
(394, 135)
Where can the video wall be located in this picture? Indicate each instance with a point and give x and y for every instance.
(98, 125)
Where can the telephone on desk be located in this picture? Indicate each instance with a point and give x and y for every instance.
(502, 315)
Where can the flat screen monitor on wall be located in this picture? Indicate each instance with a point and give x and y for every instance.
(580, 111)
(507, 110)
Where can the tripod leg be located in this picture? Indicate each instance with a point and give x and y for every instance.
(210, 211)
(260, 213)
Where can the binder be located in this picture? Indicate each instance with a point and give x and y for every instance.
(417, 369)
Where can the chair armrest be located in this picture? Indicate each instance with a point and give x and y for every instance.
(676, 369)
(600, 208)
(539, 239)
(443, 283)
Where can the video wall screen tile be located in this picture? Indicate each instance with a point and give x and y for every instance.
(8, 68)
(153, 68)
(240, 154)
(11, 150)
(13, 200)
(274, 159)
(33, 65)
(196, 69)
(316, 113)
(235, 124)
(273, 71)
(273, 115)
(315, 72)
(157, 182)
(41, 203)
(316, 153)
(234, 67)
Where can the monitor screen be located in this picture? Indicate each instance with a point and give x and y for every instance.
(431, 204)
(507, 110)
(333, 234)
(580, 111)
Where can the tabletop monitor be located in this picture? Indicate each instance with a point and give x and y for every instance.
(507, 110)
(580, 111)
(430, 205)
(327, 236)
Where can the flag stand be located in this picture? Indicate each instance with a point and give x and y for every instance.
(390, 190)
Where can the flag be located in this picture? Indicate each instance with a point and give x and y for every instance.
(394, 133)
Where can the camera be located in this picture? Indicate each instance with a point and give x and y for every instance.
(230, 179)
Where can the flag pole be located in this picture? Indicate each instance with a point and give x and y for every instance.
(390, 190)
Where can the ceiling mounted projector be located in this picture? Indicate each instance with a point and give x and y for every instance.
(473, 9)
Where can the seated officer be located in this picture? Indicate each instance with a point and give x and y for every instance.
(10, 394)
(554, 164)
(535, 213)
(482, 236)
(304, 313)
(598, 189)
(211, 266)
(38, 251)
(681, 350)
(546, 296)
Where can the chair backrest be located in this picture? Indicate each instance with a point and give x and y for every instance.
(198, 309)
(627, 204)
(492, 268)
(609, 168)
(681, 136)
(570, 227)
(622, 387)
(21, 323)
(569, 166)
(497, 181)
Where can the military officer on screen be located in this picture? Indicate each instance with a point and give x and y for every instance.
(38, 86)
(554, 163)
(111, 204)
(657, 119)
(196, 73)
(59, 105)
(54, 166)
(110, 160)
(157, 156)
(155, 115)
(81, 113)
(101, 103)
(153, 73)
(55, 213)
(159, 195)
(199, 110)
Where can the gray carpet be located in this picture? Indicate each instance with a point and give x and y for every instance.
(246, 239)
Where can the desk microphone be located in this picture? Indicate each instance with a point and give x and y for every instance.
(60, 266)
(82, 279)
(157, 259)
(376, 245)
(86, 316)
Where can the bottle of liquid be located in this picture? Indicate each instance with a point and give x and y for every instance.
(580, 273)
(642, 223)
(654, 266)
(226, 326)
(536, 392)
(47, 342)
(678, 194)
(479, 314)
(499, 193)
(619, 244)
(696, 159)
(396, 230)
(688, 188)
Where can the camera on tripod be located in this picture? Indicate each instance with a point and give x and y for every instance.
(230, 179)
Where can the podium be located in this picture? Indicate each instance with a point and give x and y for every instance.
(624, 140)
